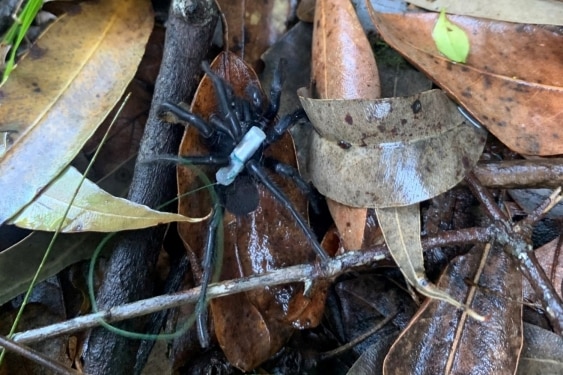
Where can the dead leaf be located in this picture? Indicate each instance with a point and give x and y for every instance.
(343, 63)
(512, 81)
(93, 210)
(440, 340)
(542, 352)
(254, 26)
(399, 151)
(62, 91)
(46, 307)
(539, 12)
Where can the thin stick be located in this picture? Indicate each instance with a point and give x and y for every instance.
(334, 267)
(36, 357)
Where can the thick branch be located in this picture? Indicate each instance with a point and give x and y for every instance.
(130, 269)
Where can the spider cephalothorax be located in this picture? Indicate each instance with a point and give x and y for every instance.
(237, 137)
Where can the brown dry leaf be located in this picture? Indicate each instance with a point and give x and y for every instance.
(254, 26)
(63, 90)
(252, 326)
(399, 151)
(343, 67)
(343, 63)
(512, 81)
(440, 340)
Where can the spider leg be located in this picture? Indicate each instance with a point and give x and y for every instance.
(283, 125)
(176, 114)
(204, 160)
(224, 103)
(276, 90)
(257, 171)
(195, 160)
(207, 266)
(291, 172)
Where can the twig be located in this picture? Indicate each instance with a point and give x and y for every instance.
(485, 197)
(299, 273)
(341, 264)
(517, 241)
(36, 357)
(519, 174)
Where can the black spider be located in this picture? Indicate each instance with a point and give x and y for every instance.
(237, 137)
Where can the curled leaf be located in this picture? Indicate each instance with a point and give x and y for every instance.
(397, 151)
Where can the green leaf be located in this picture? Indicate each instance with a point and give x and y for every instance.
(450, 39)
(92, 210)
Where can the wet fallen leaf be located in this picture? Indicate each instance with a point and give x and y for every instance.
(360, 160)
(518, 102)
(47, 308)
(93, 210)
(252, 326)
(539, 12)
(440, 340)
(343, 65)
(62, 91)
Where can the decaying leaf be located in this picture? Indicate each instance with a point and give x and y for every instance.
(93, 210)
(539, 12)
(61, 92)
(440, 340)
(450, 39)
(389, 152)
(520, 103)
(343, 65)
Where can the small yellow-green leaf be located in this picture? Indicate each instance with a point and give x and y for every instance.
(92, 210)
(401, 230)
(450, 39)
